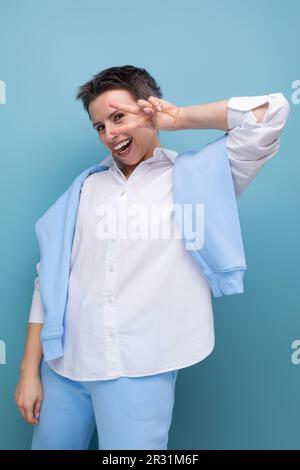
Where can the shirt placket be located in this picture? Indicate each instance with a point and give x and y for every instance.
(111, 334)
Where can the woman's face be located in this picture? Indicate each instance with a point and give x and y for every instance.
(104, 119)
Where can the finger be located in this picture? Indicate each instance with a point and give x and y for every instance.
(148, 105)
(128, 108)
(144, 104)
(29, 415)
(155, 102)
(37, 408)
(149, 110)
(32, 420)
(22, 412)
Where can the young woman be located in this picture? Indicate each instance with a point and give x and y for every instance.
(138, 309)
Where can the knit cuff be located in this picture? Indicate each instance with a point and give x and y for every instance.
(226, 282)
(52, 348)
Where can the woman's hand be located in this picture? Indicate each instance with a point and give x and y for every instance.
(28, 396)
(154, 113)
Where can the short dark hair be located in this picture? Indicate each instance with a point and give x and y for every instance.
(137, 81)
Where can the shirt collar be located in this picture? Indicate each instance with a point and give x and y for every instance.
(159, 154)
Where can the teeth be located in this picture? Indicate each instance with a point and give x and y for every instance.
(118, 147)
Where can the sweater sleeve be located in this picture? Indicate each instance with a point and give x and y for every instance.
(250, 144)
(36, 314)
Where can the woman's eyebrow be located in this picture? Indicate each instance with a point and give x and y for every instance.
(110, 116)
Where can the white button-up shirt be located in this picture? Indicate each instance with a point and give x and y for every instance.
(138, 307)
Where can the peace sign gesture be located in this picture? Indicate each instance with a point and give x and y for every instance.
(154, 113)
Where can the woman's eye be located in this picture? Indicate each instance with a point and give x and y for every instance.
(117, 115)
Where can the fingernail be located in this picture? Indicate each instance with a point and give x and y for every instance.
(147, 110)
(158, 107)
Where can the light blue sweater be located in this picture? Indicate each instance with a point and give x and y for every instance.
(199, 177)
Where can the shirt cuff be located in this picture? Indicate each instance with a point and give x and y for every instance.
(239, 106)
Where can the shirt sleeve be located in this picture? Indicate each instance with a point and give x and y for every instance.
(36, 314)
(250, 144)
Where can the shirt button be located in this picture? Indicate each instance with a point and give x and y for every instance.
(111, 334)
(111, 268)
(123, 192)
(110, 300)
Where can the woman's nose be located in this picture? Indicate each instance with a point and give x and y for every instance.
(111, 137)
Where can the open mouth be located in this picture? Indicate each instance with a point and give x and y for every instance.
(126, 149)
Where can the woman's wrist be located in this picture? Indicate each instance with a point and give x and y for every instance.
(29, 369)
(203, 116)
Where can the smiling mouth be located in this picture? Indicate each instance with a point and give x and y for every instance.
(125, 150)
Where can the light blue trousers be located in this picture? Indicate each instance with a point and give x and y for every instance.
(129, 412)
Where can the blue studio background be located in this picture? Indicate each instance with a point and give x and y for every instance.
(245, 395)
